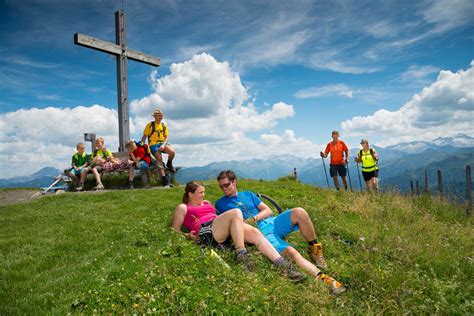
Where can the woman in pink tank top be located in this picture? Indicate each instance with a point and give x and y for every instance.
(199, 217)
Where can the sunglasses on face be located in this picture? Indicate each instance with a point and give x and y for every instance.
(225, 185)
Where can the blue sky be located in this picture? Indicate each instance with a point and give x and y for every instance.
(238, 79)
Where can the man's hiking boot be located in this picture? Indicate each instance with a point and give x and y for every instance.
(243, 258)
(286, 268)
(316, 251)
(128, 185)
(99, 187)
(170, 167)
(166, 182)
(335, 287)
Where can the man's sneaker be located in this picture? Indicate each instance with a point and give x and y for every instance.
(244, 259)
(286, 268)
(80, 188)
(316, 251)
(99, 187)
(335, 287)
(170, 167)
(128, 185)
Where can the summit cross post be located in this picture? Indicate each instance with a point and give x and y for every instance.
(122, 54)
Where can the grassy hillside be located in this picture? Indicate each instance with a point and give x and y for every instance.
(114, 252)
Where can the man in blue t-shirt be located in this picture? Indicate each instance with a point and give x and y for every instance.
(276, 228)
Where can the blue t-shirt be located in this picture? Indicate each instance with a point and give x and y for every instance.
(246, 201)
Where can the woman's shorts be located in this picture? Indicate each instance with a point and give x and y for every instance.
(206, 238)
(369, 175)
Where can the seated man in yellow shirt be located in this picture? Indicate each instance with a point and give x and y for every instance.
(157, 134)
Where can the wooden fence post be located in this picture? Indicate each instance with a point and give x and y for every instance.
(411, 187)
(295, 175)
(468, 190)
(440, 184)
(427, 190)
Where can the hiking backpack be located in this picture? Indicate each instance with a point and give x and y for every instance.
(153, 129)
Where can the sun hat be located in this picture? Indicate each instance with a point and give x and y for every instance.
(157, 111)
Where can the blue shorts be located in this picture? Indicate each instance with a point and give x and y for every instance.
(143, 165)
(154, 148)
(275, 229)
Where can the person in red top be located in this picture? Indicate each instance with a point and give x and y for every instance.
(137, 157)
(339, 158)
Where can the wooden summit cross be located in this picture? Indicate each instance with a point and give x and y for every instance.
(122, 53)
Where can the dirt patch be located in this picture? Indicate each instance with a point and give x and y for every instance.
(14, 196)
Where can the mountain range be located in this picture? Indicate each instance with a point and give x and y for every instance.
(398, 165)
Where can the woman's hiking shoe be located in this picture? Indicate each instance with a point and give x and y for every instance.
(316, 251)
(335, 287)
(99, 187)
(244, 259)
(286, 268)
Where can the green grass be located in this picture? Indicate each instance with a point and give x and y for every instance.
(114, 252)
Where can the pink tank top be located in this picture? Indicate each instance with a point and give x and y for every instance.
(198, 214)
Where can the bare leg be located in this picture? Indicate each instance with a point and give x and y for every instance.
(336, 182)
(96, 176)
(375, 184)
(292, 254)
(300, 217)
(170, 151)
(131, 172)
(344, 180)
(230, 223)
(368, 185)
(253, 236)
(159, 158)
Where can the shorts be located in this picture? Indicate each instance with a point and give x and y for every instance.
(334, 170)
(78, 172)
(143, 165)
(275, 229)
(206, 238)
(371, 174)
(154, 148)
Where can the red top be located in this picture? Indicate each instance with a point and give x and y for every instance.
(197, 215)
(336, 149)
(141, 153)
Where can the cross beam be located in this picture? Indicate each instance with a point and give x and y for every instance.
(122, 54)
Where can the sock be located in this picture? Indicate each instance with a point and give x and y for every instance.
(278, 261)
(240, 251)
(312, 242)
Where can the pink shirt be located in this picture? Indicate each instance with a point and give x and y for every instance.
(198, 214)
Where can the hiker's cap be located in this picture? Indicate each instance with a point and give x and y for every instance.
(157, 112)
(364, 141)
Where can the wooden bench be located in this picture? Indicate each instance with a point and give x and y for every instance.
(146, 174)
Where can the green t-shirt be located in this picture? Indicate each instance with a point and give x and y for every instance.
(79, 160)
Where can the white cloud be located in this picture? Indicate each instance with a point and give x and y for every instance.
(418, 74)
(34, 138)
(445, 108)
(208, 111)
(204, 101)
(335, 89)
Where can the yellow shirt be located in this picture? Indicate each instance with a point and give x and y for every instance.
(159, 135)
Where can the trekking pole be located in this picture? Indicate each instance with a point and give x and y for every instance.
(349, 174)
(358, 173)
(325, 172)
